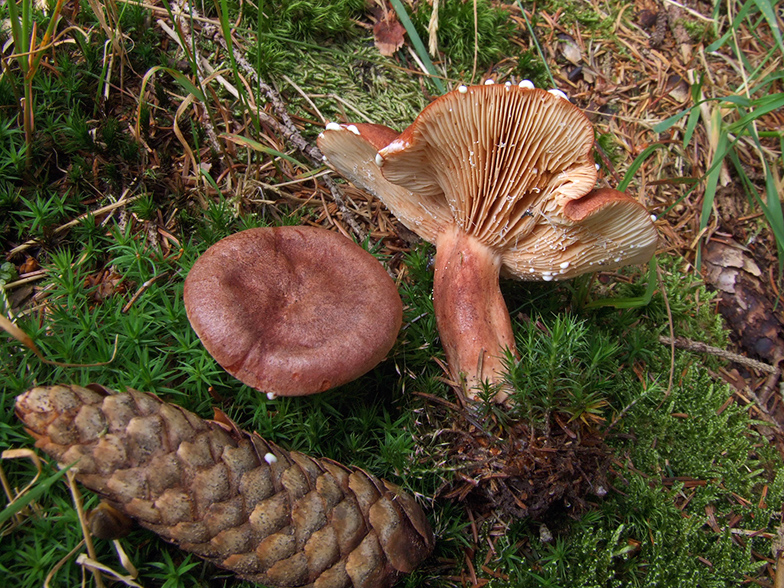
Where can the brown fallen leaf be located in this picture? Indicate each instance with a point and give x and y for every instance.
(568, 49)
(388, 33)
(678, 88)
(105, 284)
(30, 265)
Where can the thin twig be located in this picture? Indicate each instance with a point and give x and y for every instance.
(98, 211)
(288, 129)
(31, 277)
(88, 539)
(672, 329)
(699, 347)
(66, 558)
(302, 93)
(694, 13)
(142, 289)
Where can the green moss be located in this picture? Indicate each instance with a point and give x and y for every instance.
(530, 67)
(338, 79)
(456, 33)
(585, 15)
(699, 32)
(307, 20)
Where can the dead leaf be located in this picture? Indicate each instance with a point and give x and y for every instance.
(388, 33)
(677, 88)
(106, 284)
(569, 49)
(30, 265)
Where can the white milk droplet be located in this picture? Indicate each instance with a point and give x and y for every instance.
(527, 84)
(270, 458)
(462, 89)
(353, 129)
(379, 160)
(333, 126)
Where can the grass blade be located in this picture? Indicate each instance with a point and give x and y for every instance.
(419, 46)
(536, 42)
(256, 146)
(637, 164)
(764, 106)
(668, 122)
(632, 302)
(30, 495)
(710, 188)
(691, 125)
(769, 13)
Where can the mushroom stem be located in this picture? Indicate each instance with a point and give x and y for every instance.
(471, 314)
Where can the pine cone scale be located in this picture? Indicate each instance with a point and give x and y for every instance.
(272, 516)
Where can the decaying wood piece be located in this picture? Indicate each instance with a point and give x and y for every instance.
(271, 516)
(755, 322)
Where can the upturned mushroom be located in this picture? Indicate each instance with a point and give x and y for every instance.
(292, 310)
(501, 178)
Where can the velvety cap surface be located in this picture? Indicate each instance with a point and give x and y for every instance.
(292, 310)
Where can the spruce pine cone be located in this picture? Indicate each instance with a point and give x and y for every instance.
(271, 516)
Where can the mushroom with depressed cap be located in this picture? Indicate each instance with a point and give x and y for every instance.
(292, 310)
(501, 179)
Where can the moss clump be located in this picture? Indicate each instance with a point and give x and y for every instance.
(689, 479)
(350, 85)
(456, 36)
(307, 20)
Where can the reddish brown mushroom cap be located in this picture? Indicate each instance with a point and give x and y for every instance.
(512, 165)
(352, 149)
(292, 310)
(501, 179)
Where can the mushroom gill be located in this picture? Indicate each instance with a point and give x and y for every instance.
(501, 179)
